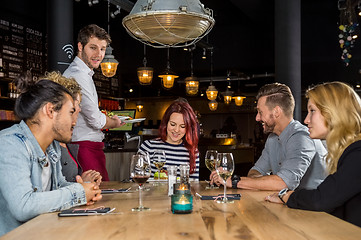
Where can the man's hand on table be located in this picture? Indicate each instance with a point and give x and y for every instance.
(92, 191)
(216, 179)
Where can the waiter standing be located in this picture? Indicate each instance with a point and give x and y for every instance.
(92, 42)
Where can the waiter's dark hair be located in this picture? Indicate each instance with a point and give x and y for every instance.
(34, 95)
(92, 30)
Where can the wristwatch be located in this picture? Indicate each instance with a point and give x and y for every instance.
(235, 180)
(282, 193)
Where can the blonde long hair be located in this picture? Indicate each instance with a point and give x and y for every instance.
(340, 105)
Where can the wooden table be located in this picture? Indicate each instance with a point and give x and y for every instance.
(249, 218)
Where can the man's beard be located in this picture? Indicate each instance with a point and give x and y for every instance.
(86, 60)
(268, 128)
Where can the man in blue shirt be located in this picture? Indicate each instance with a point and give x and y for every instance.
(30, 174)
(290, 159)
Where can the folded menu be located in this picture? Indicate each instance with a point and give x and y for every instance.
(220, 196)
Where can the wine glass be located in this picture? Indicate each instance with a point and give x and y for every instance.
(225, 167)
(159, 160)
(140, 172)
(210, 158)
(146, 154)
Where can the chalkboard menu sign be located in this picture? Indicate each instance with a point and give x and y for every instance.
(21, 48)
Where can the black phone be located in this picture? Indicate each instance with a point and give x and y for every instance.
(84, 212)
(121, 190)
(233, 196)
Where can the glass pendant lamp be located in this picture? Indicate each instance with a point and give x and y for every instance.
(168, 76)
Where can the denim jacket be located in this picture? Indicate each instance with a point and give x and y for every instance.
(21, 195)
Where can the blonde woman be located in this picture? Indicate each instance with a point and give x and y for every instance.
(334, 114)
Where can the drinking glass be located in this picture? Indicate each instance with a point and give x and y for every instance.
(210, 158)
(159, 160)
(146, 154)
(140, 172)
(225, 167)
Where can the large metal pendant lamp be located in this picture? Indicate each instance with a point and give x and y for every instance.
(169, 23)
(145, 74)
(109, 64)
(168, 75)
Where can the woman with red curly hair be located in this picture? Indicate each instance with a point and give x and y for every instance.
(178, 138)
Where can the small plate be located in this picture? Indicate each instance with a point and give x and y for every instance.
(123, 117)
(134, 120)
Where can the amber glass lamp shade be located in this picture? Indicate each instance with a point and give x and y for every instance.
(227, 99)
(213, 104)
(239, 100)
(192, 86)
(211, 93)
(109, 64)
(227, 96)
(109, 68)
(140, 107)
(168, 80)
(145, 75)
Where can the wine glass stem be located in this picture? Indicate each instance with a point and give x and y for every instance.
(158, 175)
(140, 196)
(224, 197)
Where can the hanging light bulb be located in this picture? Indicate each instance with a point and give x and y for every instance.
(145, 74)
(212, 92)
(140, 107)
(227, 96)
(109, 64)
(192, 86)
(239, 100)
(168, 75)
(213, 104)
(192, 83)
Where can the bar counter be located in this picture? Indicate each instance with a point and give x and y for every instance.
(248, 218)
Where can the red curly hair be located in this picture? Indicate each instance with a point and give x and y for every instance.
(190, 138)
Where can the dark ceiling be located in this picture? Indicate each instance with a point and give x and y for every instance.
(242, 39)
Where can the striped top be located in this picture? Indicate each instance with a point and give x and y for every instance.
(175, 155)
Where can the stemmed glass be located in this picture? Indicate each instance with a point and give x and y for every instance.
(140, 172)
(225, 167)
(159, 160)
(146, 154)
(210, 158)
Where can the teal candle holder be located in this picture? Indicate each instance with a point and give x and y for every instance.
(181, 200)
(182, 203)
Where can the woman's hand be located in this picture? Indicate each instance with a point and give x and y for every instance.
(275, 199)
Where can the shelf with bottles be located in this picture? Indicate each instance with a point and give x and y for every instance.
(8, 88)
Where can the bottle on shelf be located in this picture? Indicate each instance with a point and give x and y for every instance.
(2, 74)
(10, 90)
